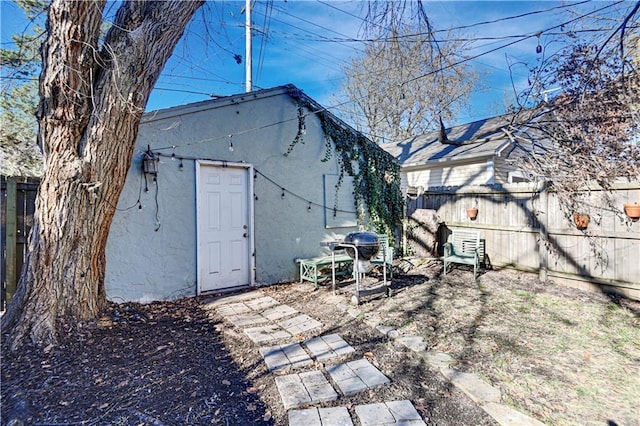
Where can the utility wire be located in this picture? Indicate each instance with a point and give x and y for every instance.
(522, 37)
(336, 106)
(518, 37)
(532, 35)
(476, 24)
(264, 38)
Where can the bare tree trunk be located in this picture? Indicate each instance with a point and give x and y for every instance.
(91, 104)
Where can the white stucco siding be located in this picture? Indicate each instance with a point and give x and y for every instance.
(151, 253)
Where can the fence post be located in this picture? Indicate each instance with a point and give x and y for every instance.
(543, 226)
(405, 219)
(11, 237)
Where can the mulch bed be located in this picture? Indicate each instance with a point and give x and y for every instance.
(157, 364)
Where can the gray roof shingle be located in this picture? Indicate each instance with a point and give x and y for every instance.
(479, 139)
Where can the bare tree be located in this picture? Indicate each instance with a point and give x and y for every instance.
(587, 137)
(592, 126)
(92, 95)
(390, 16)
(404, 82)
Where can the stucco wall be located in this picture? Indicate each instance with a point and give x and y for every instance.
(151, 252)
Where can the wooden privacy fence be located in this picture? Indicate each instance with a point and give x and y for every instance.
(17, 204)
(523, 227)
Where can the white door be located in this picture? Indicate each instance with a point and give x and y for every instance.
(224, 231)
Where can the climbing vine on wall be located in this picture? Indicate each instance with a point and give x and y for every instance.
(376, 173)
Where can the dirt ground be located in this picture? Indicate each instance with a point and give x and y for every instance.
(561, 355)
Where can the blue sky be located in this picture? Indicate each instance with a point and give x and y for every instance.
(305, 43)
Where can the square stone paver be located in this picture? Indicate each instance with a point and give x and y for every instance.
(262, 303)
(215, 303)
(299, 324)
(266, 333)
(318, 386)
(284, 356)
(233, 309)
(292, 391)
(389, 413)
(248, 319)
(275, 313)
(304, 388)
(331, 416)
(477, 389)
(308, 417)
(355, 376)
(327, 347)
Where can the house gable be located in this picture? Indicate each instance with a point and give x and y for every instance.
(476, 153)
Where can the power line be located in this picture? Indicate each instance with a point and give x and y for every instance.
(476, 24)
(166, 89)
(516, 38)
(536, 34)
(264, 37)
(312, 23)
(436, 40)
(495, 21)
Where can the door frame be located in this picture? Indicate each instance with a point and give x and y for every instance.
(250, 205)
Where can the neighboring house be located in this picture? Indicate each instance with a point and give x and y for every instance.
(477, 153)
(234, 201)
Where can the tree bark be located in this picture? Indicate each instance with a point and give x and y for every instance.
(92, 97)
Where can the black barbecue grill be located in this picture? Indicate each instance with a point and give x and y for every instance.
(362, 247)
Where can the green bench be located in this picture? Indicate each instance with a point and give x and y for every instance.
(384, 257)
(318, 268)
(465, 248)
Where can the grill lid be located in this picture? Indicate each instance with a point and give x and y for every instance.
(366, 243)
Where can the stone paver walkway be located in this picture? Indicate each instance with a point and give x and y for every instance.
(263, 319)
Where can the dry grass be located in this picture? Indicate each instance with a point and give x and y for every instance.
(565, 356)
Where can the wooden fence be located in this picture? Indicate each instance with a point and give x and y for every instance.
(524, 228)
(17, 204)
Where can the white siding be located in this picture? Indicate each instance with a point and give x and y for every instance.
(502, 169)
(450, 175)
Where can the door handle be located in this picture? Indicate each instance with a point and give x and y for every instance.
(245, 235)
